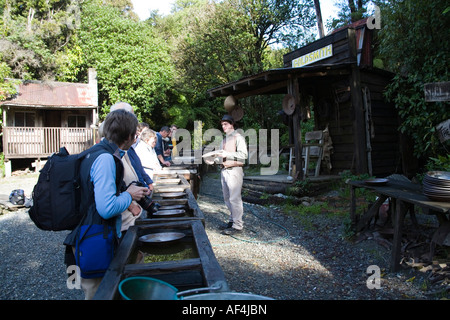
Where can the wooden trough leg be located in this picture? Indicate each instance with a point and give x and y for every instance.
(371, 213)
(353, 217)
(400, 211)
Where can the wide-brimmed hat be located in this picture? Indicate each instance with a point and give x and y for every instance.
(227, 118)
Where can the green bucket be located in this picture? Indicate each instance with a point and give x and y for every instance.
(146, 288)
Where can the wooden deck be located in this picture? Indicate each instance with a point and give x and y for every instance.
(41, 142)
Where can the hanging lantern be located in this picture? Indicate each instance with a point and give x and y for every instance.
(230, 103)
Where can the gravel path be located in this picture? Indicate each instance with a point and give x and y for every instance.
(276, 256)
(279, 257)
(31, 260)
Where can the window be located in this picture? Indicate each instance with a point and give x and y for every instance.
(76, 121)
(24, 119)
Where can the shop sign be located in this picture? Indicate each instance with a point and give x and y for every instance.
(313, 57)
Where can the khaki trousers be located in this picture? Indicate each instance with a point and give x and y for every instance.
(89, 286)
(232, 180)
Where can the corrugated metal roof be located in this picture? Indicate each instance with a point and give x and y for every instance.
(54, 94)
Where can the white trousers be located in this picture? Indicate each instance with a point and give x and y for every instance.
(232, 180)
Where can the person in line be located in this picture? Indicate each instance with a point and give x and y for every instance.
(134, 211)
(105, 177)
(146, 152)
(135, 161)
(159, 148)
(141, 127)
(233, 155)
(171, 149)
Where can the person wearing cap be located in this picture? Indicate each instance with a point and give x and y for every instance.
(233, 155)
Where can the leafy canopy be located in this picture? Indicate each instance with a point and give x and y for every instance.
(415, 44)
(132, 63)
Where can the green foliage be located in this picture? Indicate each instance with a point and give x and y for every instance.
(7, 88)
(33, 34)
(349, 12)
(2, 165)
(416, 46)
(221, 41)
(162, 66)
(441, 163)
(132, 63)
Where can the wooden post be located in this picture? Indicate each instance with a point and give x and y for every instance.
(353, 217)
(400, 211)
(293, 89)
(359, 127)
(319, 19)
(8, 168)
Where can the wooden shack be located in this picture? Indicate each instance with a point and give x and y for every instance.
(46, 115)
(336, 77)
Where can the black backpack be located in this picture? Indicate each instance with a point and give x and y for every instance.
(57, 194)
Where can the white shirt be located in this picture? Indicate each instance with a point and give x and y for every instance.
(148, 158)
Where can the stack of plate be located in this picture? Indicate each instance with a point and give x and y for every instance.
(436, 185)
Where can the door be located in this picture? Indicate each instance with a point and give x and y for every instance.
(52, 131)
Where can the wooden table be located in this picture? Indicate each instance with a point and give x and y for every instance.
(404, 196)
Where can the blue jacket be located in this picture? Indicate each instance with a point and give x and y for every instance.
(159, 145)
(137, 165)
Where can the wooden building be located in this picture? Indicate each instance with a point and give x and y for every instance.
(46, 115)
(335, 75)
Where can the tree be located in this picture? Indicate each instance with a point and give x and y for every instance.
(290, 23)
(349, 11)
(7, 88)
(222, 41)
(132, 62)
(34, 34)
(415, 44)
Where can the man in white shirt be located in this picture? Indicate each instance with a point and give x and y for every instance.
(232, 174)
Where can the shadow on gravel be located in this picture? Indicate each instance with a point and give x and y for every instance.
(277, 257)
(32, 261)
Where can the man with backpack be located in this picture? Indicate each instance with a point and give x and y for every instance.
(93, 242)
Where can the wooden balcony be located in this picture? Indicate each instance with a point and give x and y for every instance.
(40, 142)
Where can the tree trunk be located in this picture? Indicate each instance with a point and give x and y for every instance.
(319, 18)
(30, 18)
(353, 10)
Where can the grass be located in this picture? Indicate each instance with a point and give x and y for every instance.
(313, 217)
(306, 215)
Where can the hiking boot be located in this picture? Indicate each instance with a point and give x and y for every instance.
(231, 231)
(226, 226)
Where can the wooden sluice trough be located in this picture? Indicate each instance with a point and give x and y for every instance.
(177, 201)
(189, 171)
(186, 263)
